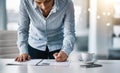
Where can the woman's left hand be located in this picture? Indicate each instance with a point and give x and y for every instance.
(61, 56)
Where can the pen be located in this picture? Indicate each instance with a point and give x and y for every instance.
(39, 62)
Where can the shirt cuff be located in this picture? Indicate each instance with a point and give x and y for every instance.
(67, 51)
(23, 50)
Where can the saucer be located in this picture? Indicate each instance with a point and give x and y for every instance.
(86, 63)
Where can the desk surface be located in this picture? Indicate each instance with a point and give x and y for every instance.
(109, 66)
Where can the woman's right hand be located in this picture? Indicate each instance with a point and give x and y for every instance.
(23, 57)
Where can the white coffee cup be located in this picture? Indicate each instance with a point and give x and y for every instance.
(87, 58)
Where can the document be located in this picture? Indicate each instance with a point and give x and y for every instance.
(30, 62)
(40, 62)
(50, 62)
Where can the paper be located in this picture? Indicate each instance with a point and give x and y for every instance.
(40, 62)
(53, 62)
(30, 62)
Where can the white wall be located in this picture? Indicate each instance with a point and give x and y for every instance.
(100, 32)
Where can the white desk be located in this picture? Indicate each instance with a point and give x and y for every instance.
(109, 66)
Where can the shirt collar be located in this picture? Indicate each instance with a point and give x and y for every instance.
(55, 6)
(35, 5)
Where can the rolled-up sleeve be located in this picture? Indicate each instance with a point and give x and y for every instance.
(69, 31)
(23, 28)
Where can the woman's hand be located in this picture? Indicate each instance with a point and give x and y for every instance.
(61, 56)
(23, 57)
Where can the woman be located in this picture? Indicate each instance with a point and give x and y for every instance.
(46, 30)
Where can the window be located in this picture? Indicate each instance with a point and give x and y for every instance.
(12, 14)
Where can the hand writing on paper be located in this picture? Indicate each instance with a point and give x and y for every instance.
(23, 57)
(61, 56)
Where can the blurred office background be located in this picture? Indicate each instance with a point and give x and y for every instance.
(97, 26)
